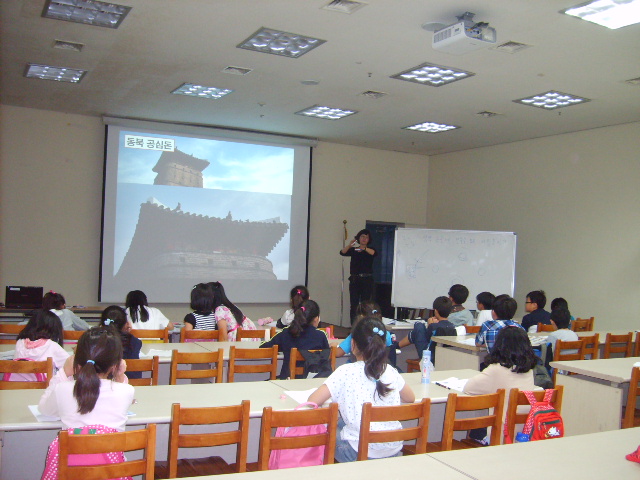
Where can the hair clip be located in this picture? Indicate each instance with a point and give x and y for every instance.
(92, 362)
(303, 309)
(378, 331)
(51, 291)
(108, 321)
(374, 311)
(299, 292)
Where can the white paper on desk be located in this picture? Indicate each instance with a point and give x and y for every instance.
(469, 341)
(453, 383)
(388, 321)
(40, 417)
(157, 353)
(637, 364)
(536, 341)
(301, 396)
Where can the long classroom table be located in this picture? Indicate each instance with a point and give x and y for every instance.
(18, 427)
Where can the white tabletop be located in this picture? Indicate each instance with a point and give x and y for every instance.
(465, 342)
(588, 457)
(616, 370)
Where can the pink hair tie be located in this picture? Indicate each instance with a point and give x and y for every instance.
(51, 291)
(303, 309)
(299, 292)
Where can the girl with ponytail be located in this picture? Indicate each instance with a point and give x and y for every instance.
(92, 388)
(298, 294)
(369, 379)
(302, 334)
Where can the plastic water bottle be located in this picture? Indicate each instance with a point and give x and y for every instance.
(427, 366)
(522, 437)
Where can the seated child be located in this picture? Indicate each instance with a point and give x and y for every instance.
(560, 318)
(504, 308)
(39, 339)
(484, 301)
(535, 303)
(459, 315)
(57, 304)
(298, 294)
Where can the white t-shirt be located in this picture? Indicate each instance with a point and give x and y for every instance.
(156, 320)
(110, 410)
(350, 388)
(483, 316)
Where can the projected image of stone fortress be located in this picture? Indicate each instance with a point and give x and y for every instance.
(171, 243)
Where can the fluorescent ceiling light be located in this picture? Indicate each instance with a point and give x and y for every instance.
(59, 74)
(201, 91)
(267, 40)
(552, 100)
(431, 127)
(89, 12)
(433, 75)
(608, 13)
(328, 113)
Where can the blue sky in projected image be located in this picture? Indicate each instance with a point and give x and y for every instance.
(253, 182)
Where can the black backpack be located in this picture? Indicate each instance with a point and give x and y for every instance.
(317, 363)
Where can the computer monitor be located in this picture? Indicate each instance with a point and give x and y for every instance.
(23, 297)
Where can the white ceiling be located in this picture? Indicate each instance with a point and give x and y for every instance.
(164, 43)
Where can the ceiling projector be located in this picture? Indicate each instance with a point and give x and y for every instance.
(464, 36)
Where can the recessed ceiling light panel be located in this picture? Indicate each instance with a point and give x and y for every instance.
(433, 75)
(552, 100)
(267, 40)
(201, 91)
(89, 12)
(612, 14)
(431, 127)
(59, 74)
(328, 113)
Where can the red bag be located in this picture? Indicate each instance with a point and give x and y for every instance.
(543, 421)
(298, 457)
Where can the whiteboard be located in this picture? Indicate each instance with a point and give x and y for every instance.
(427, 262)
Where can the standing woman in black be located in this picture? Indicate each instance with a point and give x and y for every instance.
(361, 270)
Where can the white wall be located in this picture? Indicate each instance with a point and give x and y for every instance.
(573, 202)
(51, 199)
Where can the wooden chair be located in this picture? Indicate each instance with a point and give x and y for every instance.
(413, 365)
(203, 335)
(296, 356)
(560, 354)
(161, 334)
(463, 403)
(517, 398)
(631, 417)
(9, 332)
(144, 439)
(472, 329)
(179, 358)
(260, 333)
(329, 330)
(636, 348)
(270, 354)
(151, 365)
(618, 344)
(583, 324)
(72, 335)
(189, 467)
(546, 328)
(591, 346)
(25, 367)
(271, 419)
(412, 411)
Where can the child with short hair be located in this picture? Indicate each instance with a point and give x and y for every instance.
(369, 379)
(365, 309)
(40, 339)
(298, 294)
(202, 317)
(535, 302)
(115, 317)
(460, 315)
(484, 301)
(57, 304)
(560, 317)
(504, 308)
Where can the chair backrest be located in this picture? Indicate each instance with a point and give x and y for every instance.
(411, 411)
(636, 348)
(270, 354)
(25, 367)
(457, 403)
(591, 346)
(151, 365)
(294, 418)
(161, 334)
(632, 397)
(329, 330)
(516, 398)
(618, 344)
(72, 335)
(560, 353)
(546, 328)
(472, 328)
(9, 332)
(259, 333)
(199, 335)
(144, 439)
(209, 416)
(179, 358)
(583, 324)
(296, 356)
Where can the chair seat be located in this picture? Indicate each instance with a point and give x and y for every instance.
(195, 467)
(413, 365)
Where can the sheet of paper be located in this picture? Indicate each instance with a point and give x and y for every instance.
(40, 417)
(157, 353)
(453, 383)
(469, 341)
(301, 396)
